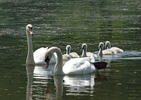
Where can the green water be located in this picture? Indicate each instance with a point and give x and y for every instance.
(62, 22)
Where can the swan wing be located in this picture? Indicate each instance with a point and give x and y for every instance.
(74, 55)
(116, 50)
(66, 57)
(78, 66)
(107, 52)
(90, 54)
(39, 56)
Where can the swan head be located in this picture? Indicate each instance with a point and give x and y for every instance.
(49, 54)
(101, 45)
(84, 46)
(107, 44)
(29, 29)
(68, 49)
(47, 58)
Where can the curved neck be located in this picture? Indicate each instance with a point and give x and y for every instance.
(68, 51)
(29, 59)
(59, 61)
(84, 53)
(100, 54)
(108, 46)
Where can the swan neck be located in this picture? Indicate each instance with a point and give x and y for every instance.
(84, 53)
(68, 52)
(100, 53)
(30, 59)
(59, 60)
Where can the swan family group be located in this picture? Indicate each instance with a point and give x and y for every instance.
(69, 63)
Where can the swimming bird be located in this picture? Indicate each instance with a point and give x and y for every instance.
(72, 54)
(72, 66)
(38, 57)
(100, 47)
(114, 50)
(85, 53)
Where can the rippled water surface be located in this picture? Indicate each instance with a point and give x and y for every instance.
(62, 22)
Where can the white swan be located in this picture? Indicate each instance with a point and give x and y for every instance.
(69, 54)
(103, 52)
(38, 57)
(114, 50)
(73, 66)
(85, 53)
(72, 54)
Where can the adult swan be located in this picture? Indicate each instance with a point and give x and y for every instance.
(38, 57)
(73, 66)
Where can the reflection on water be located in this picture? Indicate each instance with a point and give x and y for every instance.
(29, 70)
(42, 72)
(62, 22)
(79, 85)
(64, 85)
(58, 87)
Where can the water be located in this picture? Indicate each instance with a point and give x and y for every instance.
(62, 22)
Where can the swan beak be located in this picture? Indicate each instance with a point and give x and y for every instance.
(47, 63)
(30, 31)
(47, 60)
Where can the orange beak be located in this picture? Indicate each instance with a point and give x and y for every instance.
(47, 63)
(30, 31)
(47, 60)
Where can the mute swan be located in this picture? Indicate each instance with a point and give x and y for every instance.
(38, 57)
(114, 50)
(103, 52)
(85, 53)
(72, 54)
(73, 66)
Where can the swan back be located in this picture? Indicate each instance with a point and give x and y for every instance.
(79, 66)
(66, 57)
(114, 50)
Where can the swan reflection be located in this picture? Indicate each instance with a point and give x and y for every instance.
(29, 70)
(42, 83)
(74, 84)
(79, 85)
(41, 72)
